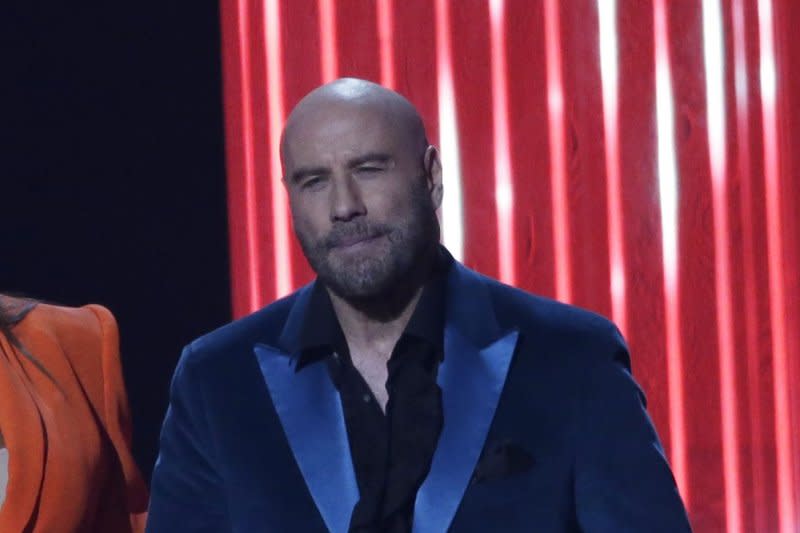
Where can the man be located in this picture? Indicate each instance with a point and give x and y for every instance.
(401, 391)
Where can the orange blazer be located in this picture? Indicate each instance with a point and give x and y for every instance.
(70, 463)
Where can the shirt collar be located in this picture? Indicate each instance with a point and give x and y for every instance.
(320, 331)
(427, 320)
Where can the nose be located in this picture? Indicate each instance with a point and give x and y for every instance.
(346, 200)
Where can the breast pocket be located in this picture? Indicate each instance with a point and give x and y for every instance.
(537, 498)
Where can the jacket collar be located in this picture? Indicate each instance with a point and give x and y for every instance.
(477, 358)
(468, 310)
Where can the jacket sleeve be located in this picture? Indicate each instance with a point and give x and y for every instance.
(132, 497)
(622, 479)
(186, 490)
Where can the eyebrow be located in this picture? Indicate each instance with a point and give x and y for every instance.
(372, 157)
(301, 173)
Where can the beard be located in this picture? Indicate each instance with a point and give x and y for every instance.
(392, 263)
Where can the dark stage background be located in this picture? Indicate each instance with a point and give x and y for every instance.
(113, 183)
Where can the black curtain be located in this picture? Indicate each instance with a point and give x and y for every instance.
(113, 179)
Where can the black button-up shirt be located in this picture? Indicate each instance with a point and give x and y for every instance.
(391, 452)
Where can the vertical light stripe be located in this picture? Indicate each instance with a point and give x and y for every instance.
(714, 56)
(328, 47)
(783, 443)
(668, 196)
(386, 41)
(280, 215)
(253, 246)
(558, 171)
(750, 311)
(609, 73)
(504, 191)
(452, 203)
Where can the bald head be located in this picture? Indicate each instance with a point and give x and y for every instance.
(363, 186)
(352, 95)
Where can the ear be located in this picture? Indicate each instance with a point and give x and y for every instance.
(433, 175)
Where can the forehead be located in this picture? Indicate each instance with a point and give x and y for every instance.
(327, 134)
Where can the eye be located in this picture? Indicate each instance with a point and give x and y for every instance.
(312, 183)
(370, 169)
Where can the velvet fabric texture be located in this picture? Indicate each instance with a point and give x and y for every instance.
(68, 433)
(251, 442)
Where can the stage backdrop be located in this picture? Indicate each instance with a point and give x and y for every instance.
(633, 157)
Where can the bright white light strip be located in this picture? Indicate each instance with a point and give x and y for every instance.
(280, 213)
(452, 202)
(609, 73)
(761, 505)
(504, 191)
(714, 55)
(668, 196)
(328, 46)
(253, 247)
(767, 66)
(558, 151)
(787, 519)
(386, 41)
(667, 172)
(609, 63)
(739, 45)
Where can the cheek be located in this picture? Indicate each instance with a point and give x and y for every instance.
(387, 203)
(308, 218)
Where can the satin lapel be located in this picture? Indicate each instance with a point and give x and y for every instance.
(477, 356)
(471, 381)
(311, 414)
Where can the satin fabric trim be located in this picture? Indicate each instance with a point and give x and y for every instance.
(310, 411)
(471, 381)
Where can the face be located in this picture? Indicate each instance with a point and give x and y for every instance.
(363, 197)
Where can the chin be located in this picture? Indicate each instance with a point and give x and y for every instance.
(369, 272)
(360, 283)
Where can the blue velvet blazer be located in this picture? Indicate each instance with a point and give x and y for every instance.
(249, 444)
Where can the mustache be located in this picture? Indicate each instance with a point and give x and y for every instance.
(347, 232)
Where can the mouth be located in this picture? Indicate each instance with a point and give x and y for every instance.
(355, 242)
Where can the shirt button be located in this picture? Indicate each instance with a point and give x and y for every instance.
(336, 355)
(366, 398)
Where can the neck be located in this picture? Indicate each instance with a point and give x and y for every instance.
(364, 330)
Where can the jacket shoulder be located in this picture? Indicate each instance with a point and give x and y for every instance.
(78, 331)
(87, 337)
(564, 328)
(239, 336)
(71, 325)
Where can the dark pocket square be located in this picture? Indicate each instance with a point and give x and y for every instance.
(502, 459)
